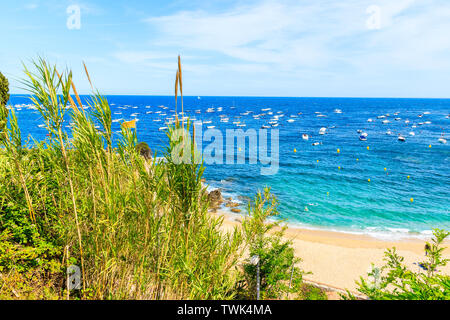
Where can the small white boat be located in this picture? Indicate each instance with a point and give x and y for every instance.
(162, 128)
(401, 138)
(265, 127)
(322, 131)
(363, 136)
(290, 120)
(211, 127)
(442, 140)
(389, 132)
(412, 134)
(305, 136)
(316, 143)
(369, 120)
(337, 111)
(386, 121)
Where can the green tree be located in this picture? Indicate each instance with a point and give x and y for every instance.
(394, 281)
(279, 275)
(4, 90)
(4, 97)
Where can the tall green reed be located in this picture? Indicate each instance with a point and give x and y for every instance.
(140, 228)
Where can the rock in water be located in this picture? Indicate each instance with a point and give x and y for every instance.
(232, 204)
(144, 150)
(215, 199)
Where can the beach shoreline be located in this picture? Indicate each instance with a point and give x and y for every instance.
(338, 259)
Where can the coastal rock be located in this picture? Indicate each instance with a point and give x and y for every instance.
(144, 150)
(215, 199)
(232, 204)
(235, 210)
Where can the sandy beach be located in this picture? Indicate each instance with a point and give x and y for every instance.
(338, 259)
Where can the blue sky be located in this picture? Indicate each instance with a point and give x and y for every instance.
(321, 48)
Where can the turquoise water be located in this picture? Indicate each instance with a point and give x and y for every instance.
(319, 194)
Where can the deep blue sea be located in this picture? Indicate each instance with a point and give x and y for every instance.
(318, 187)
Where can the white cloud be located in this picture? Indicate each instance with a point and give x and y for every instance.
(316, 34)
(31, 6)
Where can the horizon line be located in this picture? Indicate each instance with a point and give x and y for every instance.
(254, 96)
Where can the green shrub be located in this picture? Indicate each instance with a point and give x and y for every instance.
(279, 275)
(310, 292)
(394, 281)
(4, 90)
(138, 229)
(4, 97)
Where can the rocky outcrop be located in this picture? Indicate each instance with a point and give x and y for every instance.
(215, 199)
(232, 204)
(144, 150)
